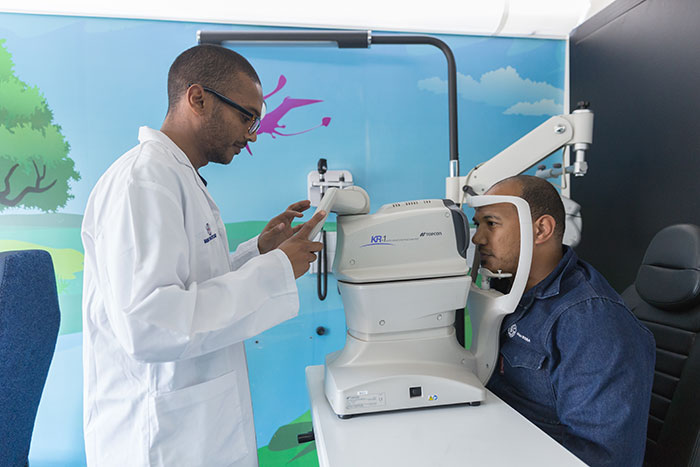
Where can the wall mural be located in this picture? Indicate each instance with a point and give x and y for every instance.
(271, 121)
(30, 143)
(73, 92)
(504, 87)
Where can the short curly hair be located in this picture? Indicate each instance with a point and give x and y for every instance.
(210, 65)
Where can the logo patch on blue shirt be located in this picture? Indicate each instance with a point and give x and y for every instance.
(513, 331)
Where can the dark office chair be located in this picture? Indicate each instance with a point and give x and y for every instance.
(29, 319)
(666, 298)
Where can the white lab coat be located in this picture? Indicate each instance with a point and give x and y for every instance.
(165, 313)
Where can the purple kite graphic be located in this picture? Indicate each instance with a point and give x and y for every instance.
(271, 122)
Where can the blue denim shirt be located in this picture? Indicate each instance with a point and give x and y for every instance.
(579, 365)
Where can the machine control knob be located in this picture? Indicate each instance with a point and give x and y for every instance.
(582, 105)
(322, 166)
(320, 330)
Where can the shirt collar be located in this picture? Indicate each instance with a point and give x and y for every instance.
(549, 286)
(149, 134)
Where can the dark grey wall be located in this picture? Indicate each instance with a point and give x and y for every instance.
(638, 63)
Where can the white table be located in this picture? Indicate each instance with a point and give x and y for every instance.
(491, 434)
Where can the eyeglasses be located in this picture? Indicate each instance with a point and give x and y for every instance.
(255, 125)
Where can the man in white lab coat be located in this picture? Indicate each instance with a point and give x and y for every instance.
(166, 308)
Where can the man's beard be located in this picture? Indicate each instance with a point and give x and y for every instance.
(213, 135)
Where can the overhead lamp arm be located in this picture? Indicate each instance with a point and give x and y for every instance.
(343, 39)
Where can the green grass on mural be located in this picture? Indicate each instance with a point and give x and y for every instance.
(239, 232)
(284, 450)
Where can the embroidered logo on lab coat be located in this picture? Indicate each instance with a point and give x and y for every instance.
(211, 235)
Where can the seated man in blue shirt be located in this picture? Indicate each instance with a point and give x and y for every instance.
(573, 359)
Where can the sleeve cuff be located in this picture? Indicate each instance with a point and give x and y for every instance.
(244, 253)
(289, 279)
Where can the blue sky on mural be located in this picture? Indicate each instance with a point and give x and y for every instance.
(386, 105)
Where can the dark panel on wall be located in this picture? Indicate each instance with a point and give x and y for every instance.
(638, 63)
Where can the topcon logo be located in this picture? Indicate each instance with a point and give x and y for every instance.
(430, 234)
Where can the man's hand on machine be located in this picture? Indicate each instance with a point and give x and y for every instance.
(280, 227)
(299, 249)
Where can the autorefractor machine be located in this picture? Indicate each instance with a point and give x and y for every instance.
(402, 271)
(402, 274)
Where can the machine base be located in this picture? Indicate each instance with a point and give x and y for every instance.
(380, 376)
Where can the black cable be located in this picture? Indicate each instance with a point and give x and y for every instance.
(322, 269)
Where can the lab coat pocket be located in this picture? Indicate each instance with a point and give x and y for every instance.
(198, 425)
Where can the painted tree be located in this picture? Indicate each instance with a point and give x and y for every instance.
(35, 170)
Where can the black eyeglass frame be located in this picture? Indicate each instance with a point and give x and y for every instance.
(255, 125)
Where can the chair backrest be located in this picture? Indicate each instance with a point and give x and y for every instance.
(666, 298)
(29, 320)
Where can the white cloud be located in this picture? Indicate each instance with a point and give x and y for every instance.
(434, 85)
(543, 107)
(503, 87)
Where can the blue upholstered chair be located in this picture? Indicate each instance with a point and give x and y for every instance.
(29, 319)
